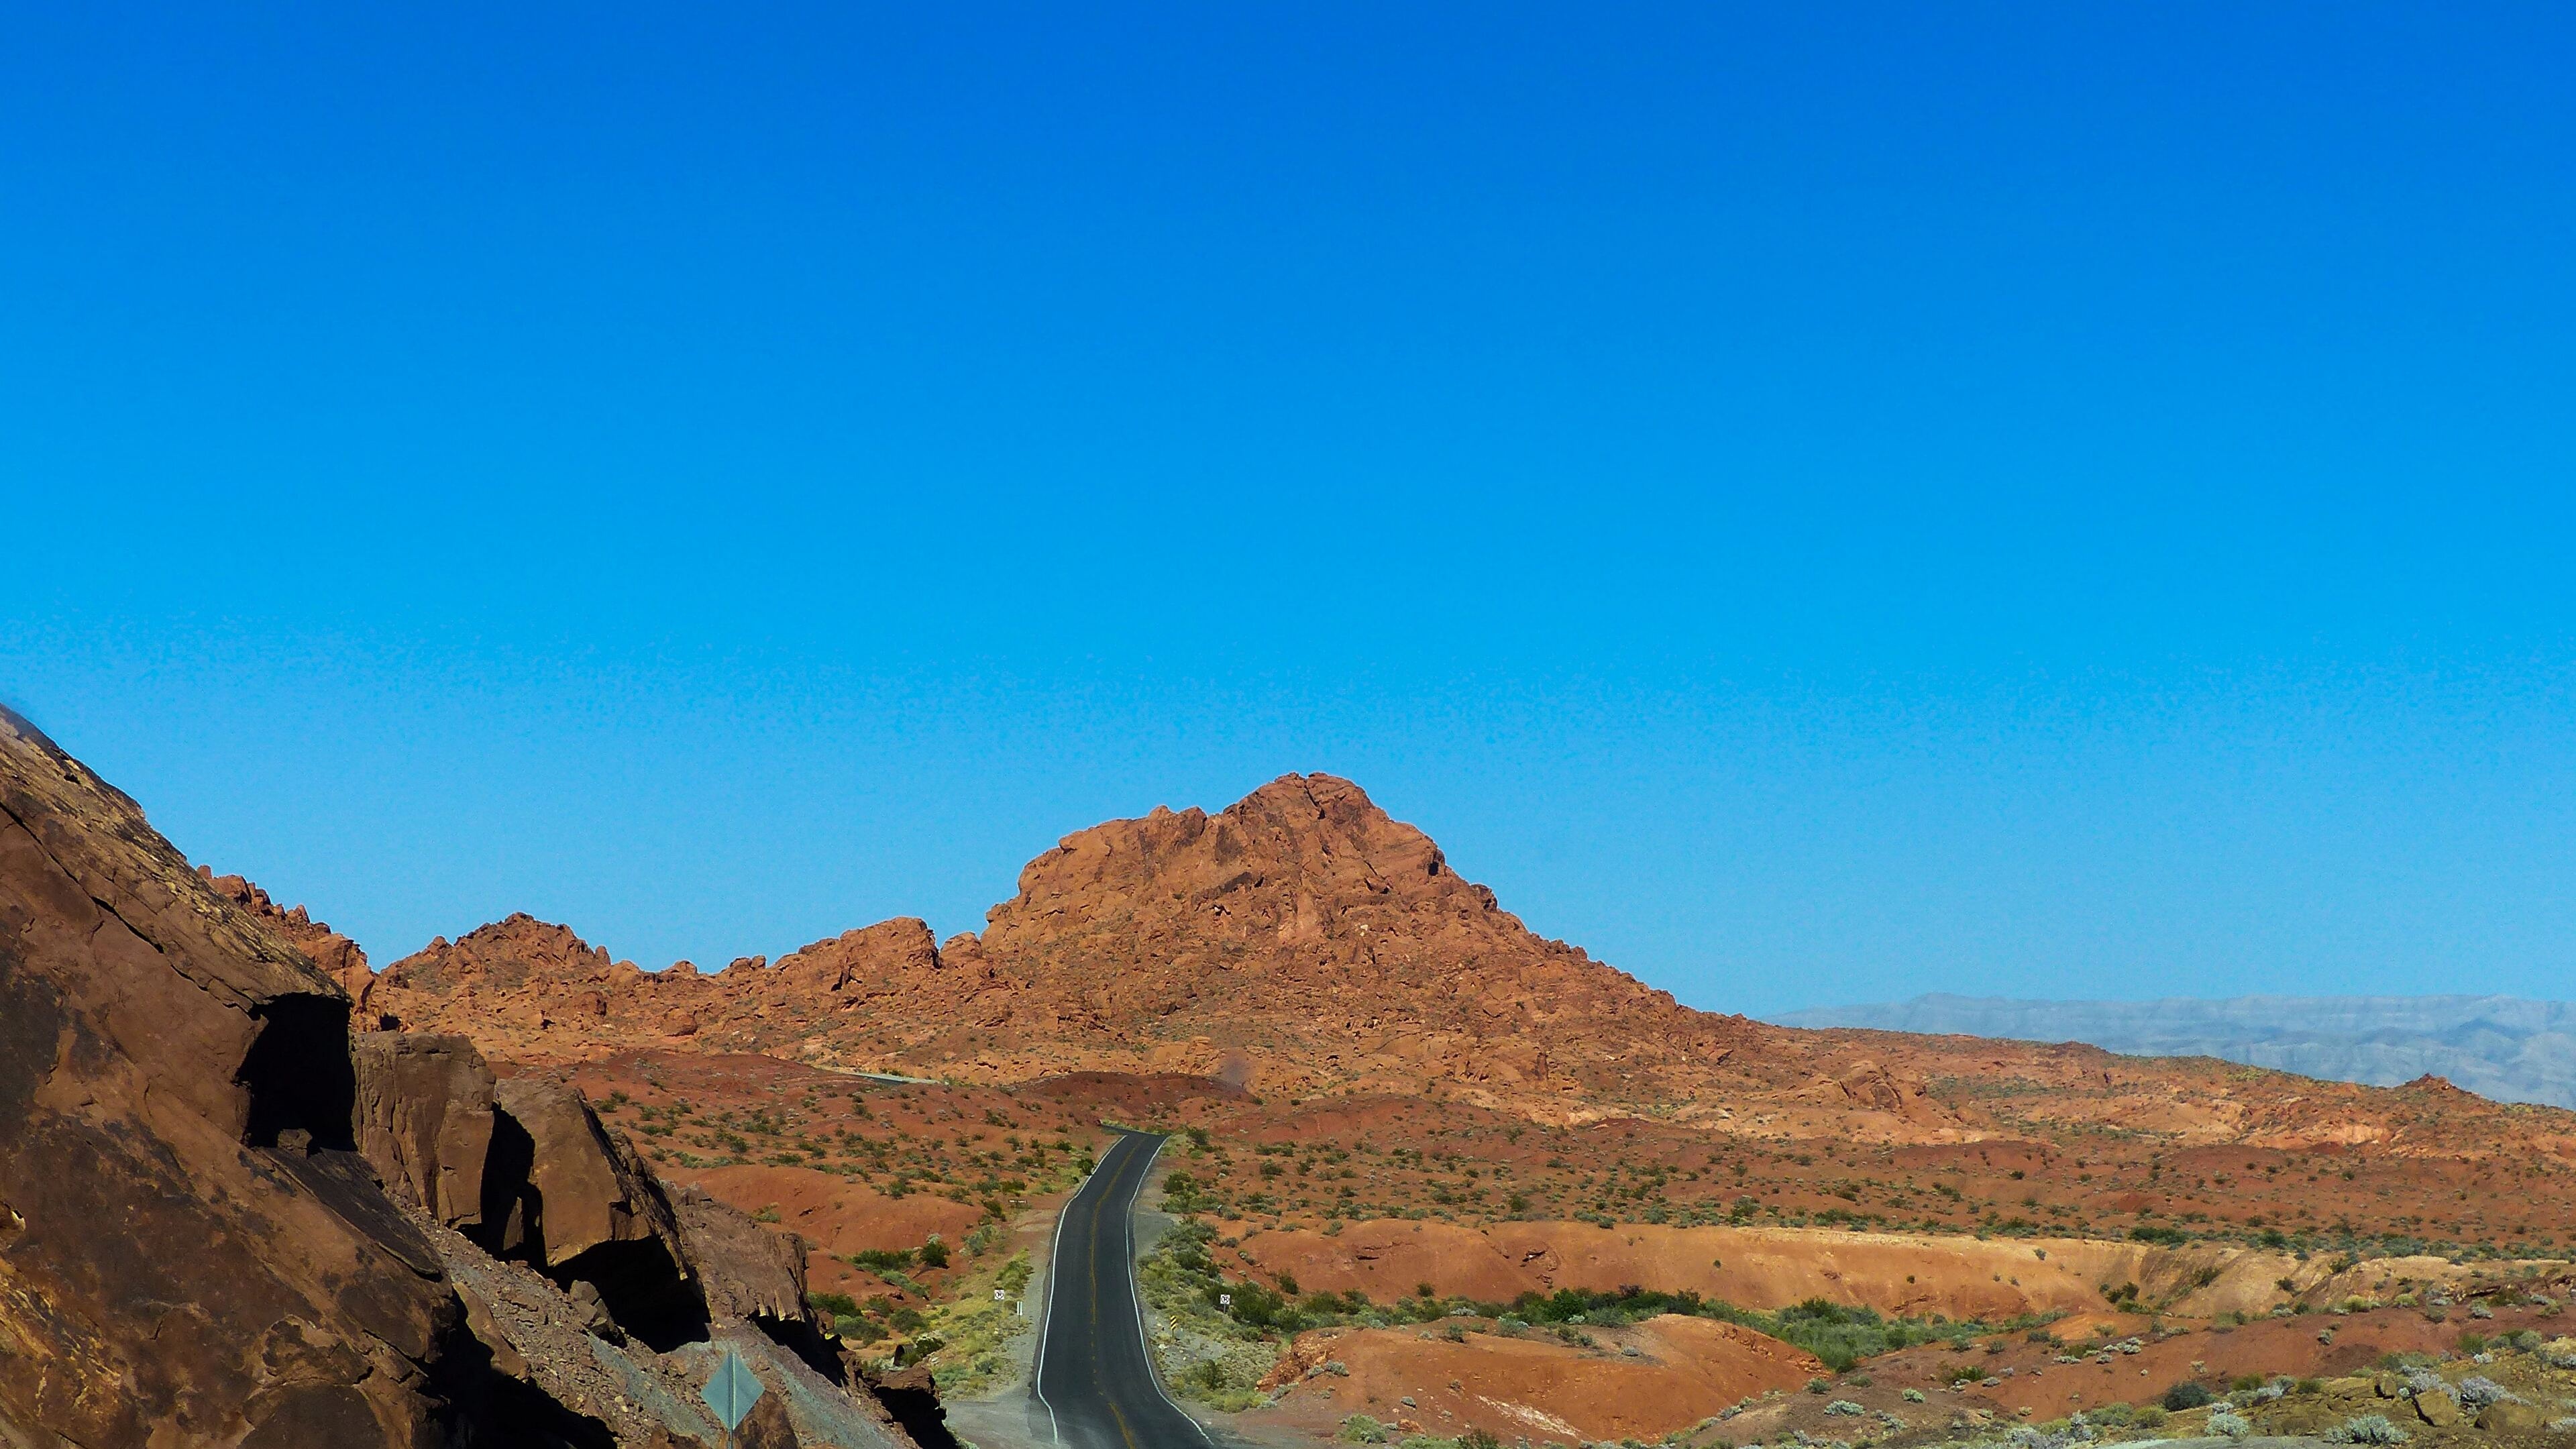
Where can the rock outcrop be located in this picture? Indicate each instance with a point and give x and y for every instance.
(191, 1248)
(425, 1121)
(223, 1219)
(338, 957)
(748, 1271)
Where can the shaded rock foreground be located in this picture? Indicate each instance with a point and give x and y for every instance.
(225, 1220)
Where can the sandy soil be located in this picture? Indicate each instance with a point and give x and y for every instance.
(1909, 1274)
(1681, 1370)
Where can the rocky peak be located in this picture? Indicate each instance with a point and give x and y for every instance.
(517, 950)
(339, 957)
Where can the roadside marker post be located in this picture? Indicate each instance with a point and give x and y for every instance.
(731, 1393)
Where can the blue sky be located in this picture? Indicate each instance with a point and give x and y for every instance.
(1815, 505)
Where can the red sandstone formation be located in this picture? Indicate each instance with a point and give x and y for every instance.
(337, 955)
(1302, 942)
(222, 1220)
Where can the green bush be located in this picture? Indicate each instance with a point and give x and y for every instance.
(2186, 1395)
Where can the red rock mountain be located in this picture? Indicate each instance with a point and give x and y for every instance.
(1303, 942)
(1301, 939)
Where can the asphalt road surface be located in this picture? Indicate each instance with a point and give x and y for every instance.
(1094, 1381)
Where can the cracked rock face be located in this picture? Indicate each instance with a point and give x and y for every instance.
(193, 1250)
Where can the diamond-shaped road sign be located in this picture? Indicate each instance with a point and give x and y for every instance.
(732, 1392)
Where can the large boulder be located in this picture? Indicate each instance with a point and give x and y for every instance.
(745, 1270)
(190, 1248)
(576, 1200)
(425, 1120)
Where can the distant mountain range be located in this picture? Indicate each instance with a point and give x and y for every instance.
(2500, 1047)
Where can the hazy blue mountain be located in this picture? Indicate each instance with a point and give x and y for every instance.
(2500, 1047)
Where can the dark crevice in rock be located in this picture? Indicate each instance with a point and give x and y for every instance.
(913, 1400)
(509, 1227)
(643, 1290)
(801, 1338)
(297, 1074)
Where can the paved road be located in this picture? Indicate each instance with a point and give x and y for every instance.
(1094, 1382)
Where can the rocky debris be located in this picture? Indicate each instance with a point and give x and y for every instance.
(194, 1251)
(2511, 1418)
(617, 1390)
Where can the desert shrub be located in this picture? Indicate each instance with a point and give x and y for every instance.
(2149, 1417)
(2186, 1395)
(2473, 1344)
(2231, 1424)
(2368, 1429)
(2149, 1233)
(2244, 1383)
(1818, 1386)
(2477, 1391)
(1913, 1396)
(1841, 1336)
(1843, 1407)
(2425, 1381)
(2110, 1416)
(1479, 1439)
(877, 1260)
(933, 1254)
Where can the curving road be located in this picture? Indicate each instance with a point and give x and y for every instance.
(1094, 1381)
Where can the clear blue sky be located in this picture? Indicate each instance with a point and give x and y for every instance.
(1813, 503)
